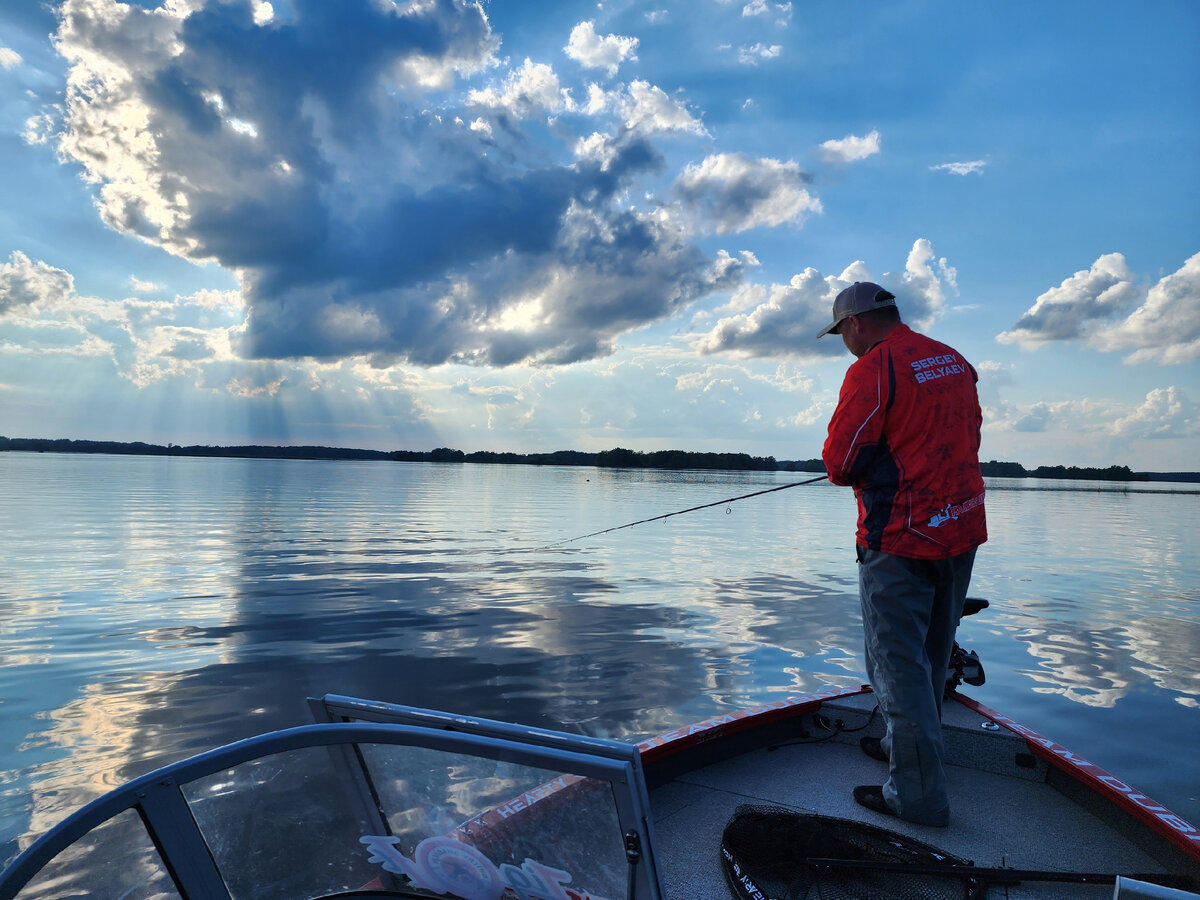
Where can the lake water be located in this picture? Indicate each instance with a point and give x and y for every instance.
(151, 608)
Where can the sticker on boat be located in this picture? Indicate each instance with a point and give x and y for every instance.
(446, 866)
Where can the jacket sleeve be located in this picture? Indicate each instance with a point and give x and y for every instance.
(978, 410)
(857, 423)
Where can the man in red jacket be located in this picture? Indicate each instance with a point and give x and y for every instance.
(905, 434)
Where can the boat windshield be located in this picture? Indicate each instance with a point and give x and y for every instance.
(336, 808)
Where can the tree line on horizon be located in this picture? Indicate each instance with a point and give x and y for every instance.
(617, 458)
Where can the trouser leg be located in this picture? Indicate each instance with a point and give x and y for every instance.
(910, 613)
(952, 578)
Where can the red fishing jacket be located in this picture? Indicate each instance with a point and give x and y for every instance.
(905, 434)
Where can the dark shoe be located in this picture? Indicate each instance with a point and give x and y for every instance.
(873, 747)
(871, 796)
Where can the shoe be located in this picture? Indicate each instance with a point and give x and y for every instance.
(871, 796)
(873, 747)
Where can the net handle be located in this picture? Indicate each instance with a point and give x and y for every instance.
(1000, 876)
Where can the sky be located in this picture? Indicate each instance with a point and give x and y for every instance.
(534, 226)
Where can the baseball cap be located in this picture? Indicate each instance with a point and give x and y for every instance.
(860, 297)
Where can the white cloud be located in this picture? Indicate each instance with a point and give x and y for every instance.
(241, 126)
(851, 148)
(1055, 419)
(756, 53)
(593, 51)
(960, 168)
(923, 299)
(759, 8)
(948, 274)
(231, 303)
(647, 108)
(651, 397)
(1073, 309)
(1037, 419)
(1165, 413)
(143, 287)
(39, 129)
(642, 111)
(732, 192)
(656, 16)
(532, 90)
(147, 340)
(599, 148)
(1161, 325)
(784, 324)
(24, 282)
(244, 386)
(9, 59)
(598, 100)
(263, 12)
(1166, 327)
(786, 319)
(788, 379)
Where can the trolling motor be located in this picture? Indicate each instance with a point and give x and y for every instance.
(965, 666)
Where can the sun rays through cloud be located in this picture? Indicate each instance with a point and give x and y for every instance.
(390, 225)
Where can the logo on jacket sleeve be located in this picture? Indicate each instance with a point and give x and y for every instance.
(953, 510)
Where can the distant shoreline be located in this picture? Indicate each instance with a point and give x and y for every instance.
(617, 458)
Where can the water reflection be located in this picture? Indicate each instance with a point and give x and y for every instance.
(157, 608)
(90, 744)
(1081, 667)
(156, 670)
(1168, 650)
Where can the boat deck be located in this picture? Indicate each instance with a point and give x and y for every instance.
(1004, 811)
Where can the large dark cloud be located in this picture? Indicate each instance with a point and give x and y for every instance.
(321, 154)
(478, 292)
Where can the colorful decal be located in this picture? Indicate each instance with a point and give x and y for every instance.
(449, 865)
(953, 511)
(446, 866)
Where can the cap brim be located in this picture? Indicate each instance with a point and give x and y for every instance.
(829, 329)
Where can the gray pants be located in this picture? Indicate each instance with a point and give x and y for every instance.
(910, 610)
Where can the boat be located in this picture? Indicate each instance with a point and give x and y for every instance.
(378, 799)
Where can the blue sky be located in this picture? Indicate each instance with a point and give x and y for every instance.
(536, 226)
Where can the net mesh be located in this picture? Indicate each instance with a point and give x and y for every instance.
(766, 849)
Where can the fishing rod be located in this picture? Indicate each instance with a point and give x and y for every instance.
(782, 487)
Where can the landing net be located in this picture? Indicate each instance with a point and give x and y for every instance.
(766, 852)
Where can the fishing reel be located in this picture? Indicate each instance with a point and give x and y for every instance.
(965, 666)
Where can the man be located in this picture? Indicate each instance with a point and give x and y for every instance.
(905, 434)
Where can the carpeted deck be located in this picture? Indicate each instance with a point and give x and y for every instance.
(1008, 816)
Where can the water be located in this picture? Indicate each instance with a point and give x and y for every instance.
(151, 608)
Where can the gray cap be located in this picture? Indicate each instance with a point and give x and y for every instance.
(860, 297)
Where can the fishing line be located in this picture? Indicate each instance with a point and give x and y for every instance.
(782, 487)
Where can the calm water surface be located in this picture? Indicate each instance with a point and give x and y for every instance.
(151, 608)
